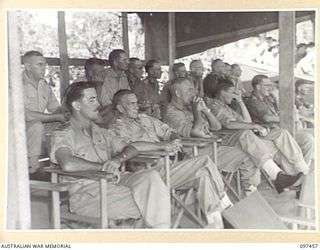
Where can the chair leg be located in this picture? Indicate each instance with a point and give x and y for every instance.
(233, 191)
(181, 212)
(188, 211)
(103, 203)
(238, 180)
(55, 199)
(264, 174)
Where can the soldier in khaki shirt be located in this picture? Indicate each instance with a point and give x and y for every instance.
(149, 133)
(115, 76)
(264, 109)
(82, 145)
(42, 109)
(231, 154)
(264, 150)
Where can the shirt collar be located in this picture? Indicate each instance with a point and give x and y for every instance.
(113, 73)
(255, 93)
(179, 106)
(27, 80)
(220, 103)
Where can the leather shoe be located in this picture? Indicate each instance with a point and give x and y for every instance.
(285, 180)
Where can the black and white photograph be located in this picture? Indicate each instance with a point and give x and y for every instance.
(135, 120)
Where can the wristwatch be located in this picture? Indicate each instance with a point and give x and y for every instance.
(123, 158)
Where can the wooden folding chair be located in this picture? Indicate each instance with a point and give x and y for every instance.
(55, 188)
(227, 177)
(187, 192)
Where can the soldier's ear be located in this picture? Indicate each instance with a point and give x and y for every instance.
(76, 105)
(27, 66)
(177, 93)
(120, 108)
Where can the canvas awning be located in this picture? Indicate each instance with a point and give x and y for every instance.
(199, 31)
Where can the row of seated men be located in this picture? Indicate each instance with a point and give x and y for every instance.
(83, 143)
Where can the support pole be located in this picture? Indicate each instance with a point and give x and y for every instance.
(63, 52)
(172, 40)
(125, 33)
(18, 203)
(286, 70)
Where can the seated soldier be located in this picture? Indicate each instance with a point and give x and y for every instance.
(264, 109)
(231, 154)
(151, 96)
(115, 76)
(147, 133)
(95, 72)
(305, 110)
(42, 110)
(135, 72)
(196, 74)
(81, 145)
(278, 144)
(178, 70)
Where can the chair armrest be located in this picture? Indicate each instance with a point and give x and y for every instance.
(144, 159)
(156, 153)
(201, 140)
(225, 131)
(87, 174)
(48, 186)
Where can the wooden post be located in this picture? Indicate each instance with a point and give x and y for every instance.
(18, 197)
(63, 52)
(286, 70)
(313, 21)
(125, 33)
(172, 40)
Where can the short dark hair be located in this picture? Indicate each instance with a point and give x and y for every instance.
(75, 91)
(29, 54)
(310, 45)
(177, 66)
(257, 79)
(299, 83)
(115, 54)
(193, 62)
(215, 61)
(150, 64)
(133, 60)
(92, 61)
(117, 97)
(177, 82)
(235, 65)
(300, 45)
(223, 84)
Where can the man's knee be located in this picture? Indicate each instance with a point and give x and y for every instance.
(304, 138)
(204, 159)
(247, 135)
(152, 176)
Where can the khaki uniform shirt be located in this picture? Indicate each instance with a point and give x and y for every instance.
(181, 119)
(151, 93)
(137, 86)
(112, 83)
(38, 97)
(258, 107)
(96, 148)
(222, 111)
(144, 128)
